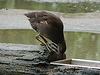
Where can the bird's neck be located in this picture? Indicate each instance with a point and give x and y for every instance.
(62, 46)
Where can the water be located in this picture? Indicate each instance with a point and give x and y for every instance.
(69, 7)
(80, 45)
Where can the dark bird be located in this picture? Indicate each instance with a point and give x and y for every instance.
(49, 26)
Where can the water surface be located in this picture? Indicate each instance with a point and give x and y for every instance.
(80, 45)
(69, 7)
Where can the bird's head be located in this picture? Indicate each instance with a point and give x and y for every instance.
(37, 15)
(44, 16)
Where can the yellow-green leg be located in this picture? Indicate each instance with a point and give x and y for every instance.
(45, 42)
(37, 37)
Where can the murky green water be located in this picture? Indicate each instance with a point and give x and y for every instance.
(79, 45)
(58, 7)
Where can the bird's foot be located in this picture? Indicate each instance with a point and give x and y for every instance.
(52, 48)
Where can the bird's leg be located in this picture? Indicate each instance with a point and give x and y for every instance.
(43, 39)
(54, 46)
(37, 37)
(49, 46)
(44, 43)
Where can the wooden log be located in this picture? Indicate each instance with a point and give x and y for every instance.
(19, 58)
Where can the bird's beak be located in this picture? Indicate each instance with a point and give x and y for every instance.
(26, 14)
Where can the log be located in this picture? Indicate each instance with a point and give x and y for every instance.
(19, 58)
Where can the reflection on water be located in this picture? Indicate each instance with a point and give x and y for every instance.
(58, 7)
(79, 45)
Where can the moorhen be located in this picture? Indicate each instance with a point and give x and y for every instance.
(49, 26)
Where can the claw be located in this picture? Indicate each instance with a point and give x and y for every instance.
(49, 46)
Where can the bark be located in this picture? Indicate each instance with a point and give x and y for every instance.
(19, 58)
